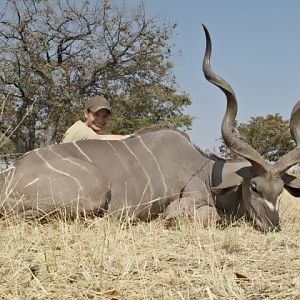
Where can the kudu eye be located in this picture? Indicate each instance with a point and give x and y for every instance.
(253, 187)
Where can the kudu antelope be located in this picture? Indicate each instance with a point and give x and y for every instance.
(155, 172)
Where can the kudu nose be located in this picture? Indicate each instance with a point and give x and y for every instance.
(267, 228)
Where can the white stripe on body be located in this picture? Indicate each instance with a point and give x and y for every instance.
(121, 160)
(32, 182)
(147, 175)
(59, 171)
(160, 171)
(117, 154)
(69, 160)
(81, 151)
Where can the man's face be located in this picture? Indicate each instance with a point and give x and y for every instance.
(97, 120)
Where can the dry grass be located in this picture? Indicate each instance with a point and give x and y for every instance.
(112, 260)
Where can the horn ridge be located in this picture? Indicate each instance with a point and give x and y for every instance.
(294, 123)
(293, 157)
(230, 139)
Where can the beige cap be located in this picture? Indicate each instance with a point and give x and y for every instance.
(96, 103)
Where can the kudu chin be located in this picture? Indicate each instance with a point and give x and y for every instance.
(156, 172)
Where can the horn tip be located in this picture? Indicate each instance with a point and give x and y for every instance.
(204, 27)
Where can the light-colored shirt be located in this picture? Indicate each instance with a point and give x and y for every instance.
(80, 131)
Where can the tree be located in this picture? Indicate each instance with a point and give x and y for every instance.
(55, 54)
(269, 135)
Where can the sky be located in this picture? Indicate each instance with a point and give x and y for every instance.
(256, 48)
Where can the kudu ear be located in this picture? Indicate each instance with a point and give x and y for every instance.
(291, 184)
(228, 184)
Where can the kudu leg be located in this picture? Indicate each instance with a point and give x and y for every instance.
(195, 202)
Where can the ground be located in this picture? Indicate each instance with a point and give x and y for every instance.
(107, 259)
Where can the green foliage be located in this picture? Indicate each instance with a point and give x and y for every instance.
(269, 135)
(147, 106)
(56, 54)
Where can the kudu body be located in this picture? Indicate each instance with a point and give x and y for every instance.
(155, 172)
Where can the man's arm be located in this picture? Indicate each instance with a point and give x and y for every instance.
(80, 131)
(109, 137)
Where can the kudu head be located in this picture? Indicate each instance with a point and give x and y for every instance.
(264, 182)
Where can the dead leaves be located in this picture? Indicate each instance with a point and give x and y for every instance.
(112, 294)
(240, 278)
